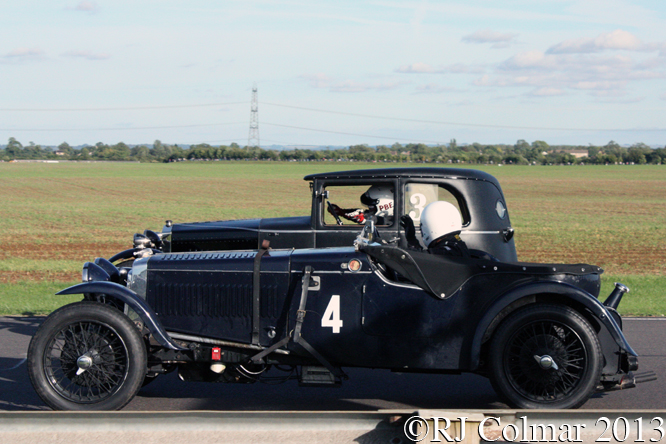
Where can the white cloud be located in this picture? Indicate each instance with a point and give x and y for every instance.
(85, 6)
(318, 80)
(598, 85)
(528, 59)
(482, 81)
(23, 54)
(534, 61)
(616, 40)
(416, 68)
(550, 74)
(652, 63)
(89, 55)
(457, 68)
(500, 40)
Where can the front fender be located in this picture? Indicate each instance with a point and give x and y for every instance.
(554, 288)
(145, 312)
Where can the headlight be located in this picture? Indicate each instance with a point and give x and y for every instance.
(137, 278)
(93, 272)
(141, 241)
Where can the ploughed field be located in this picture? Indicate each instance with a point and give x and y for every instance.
(54, 217)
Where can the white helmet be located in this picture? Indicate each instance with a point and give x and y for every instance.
(380, 197)
(438, 219)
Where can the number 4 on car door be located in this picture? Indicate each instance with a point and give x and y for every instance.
(331, 316)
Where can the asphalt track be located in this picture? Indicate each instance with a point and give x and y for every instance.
(366, 390)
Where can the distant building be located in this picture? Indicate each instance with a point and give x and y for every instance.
(577, 153)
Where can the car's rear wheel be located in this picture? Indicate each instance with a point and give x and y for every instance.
(545, 356)
(87, 356)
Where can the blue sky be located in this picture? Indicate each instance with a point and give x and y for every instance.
(333, 73)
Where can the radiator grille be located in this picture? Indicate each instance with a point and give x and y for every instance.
(205, 256)
(213, 300)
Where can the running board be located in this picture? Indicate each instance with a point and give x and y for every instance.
(314, 376)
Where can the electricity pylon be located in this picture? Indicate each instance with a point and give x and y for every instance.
(253, 138)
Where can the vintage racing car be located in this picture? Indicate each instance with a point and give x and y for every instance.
(537, 331)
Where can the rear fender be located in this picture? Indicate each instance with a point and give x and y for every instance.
(145, 312)
(560, 289)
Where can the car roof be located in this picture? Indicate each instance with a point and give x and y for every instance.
(390, 173)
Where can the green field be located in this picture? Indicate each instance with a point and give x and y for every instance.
(54, 217)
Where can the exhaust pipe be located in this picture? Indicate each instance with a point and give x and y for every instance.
(616, 296)
(630, 380)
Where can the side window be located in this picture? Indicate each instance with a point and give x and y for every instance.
(417, 197)
(353, 204)
(420, 195)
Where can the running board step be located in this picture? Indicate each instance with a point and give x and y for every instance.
(313, 376)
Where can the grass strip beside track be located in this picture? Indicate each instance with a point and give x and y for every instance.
(34, 298)
(54, 217)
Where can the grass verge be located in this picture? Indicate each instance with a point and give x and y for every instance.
(646, 297)
(34, 298)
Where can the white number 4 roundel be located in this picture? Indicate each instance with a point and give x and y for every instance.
(331, 316)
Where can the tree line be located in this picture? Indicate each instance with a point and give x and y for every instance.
(520, 153)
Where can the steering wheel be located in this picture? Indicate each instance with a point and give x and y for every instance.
(332, 211)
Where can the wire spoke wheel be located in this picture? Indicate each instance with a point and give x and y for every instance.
(86, 362)
(545, 356)
(87, 356)
(539, 379)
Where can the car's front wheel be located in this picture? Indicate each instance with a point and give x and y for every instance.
(87, 356)
(545, 356)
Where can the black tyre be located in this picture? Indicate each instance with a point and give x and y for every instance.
(87, 356)
(545, 356)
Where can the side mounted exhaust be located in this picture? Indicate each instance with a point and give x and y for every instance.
(616, 296)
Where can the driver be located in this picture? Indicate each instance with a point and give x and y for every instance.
(378, 199)
(440, 230)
